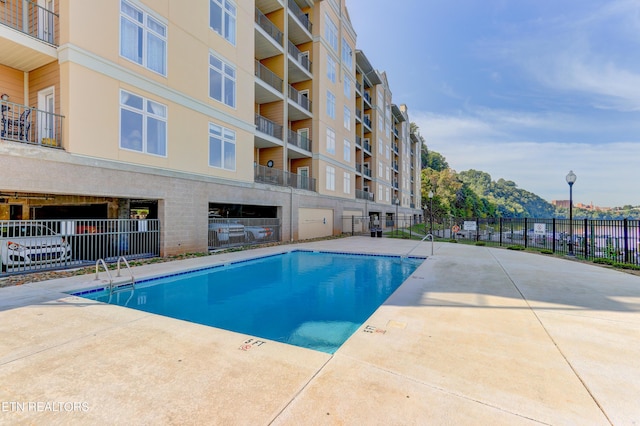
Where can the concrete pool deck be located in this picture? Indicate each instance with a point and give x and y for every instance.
(476, 335)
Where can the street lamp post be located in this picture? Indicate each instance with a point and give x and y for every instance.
(571, 179)
(430, 195)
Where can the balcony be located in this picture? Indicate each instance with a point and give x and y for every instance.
(367, 121)
(299, 64)
(21, 123)
(268, 38)
(358, 87)
(367, 97)
(358, 114)
(268, 85)
(301, 107)
(278, 177)
(298, 140)
(29, 18)
(300, 27)
(28, 34)
(268, 133)
(367, 145)
(358, 141)
(364, 195)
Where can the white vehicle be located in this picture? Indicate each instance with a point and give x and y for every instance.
(223, 231)
(24, 245)
(258, 232)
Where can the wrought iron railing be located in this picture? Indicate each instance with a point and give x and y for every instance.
(303, 60)
(269, 27)
(268, 76)
(230, 232)
(278, 177)
(21, 123)
(299, 98)
(30, 18)
(266, 126)
(301, 141)
(302, 17)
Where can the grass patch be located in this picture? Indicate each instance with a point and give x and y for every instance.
(480, 243)
(518, 248)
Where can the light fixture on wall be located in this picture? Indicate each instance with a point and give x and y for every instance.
(4, 97)
(270, 163)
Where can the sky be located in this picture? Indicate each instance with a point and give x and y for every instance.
(525, 90)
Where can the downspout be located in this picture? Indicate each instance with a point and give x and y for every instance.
(291, 215)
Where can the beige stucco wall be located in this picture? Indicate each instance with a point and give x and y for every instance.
(315, 223)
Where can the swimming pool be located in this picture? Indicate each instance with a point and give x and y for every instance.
(310, 299)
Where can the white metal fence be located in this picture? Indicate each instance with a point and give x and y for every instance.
(37, 245)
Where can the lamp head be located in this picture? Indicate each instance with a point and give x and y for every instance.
(430, 195)
(571, 178)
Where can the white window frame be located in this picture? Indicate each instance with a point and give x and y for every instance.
(347, 54)
(228, 14)
(331, 141)
(347, 87)
(347, 150)
(227, 140)
(331, 69)
(149, 32)
(347, 183)
(331, 104)
(149, 110)
(227, 74)
(331, 32)
(347, 118)
(331, 178)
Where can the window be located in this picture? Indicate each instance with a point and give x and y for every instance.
(347, 54)
(222, 81)
(347, 118)
(380, 168)
(388, 153)
(380, 123)
(331, 141)
(347, 150)
(347, 183)
(347, 87)
(222, 147)
(143, 124)
(380, 146)
(143, 39)
(331, 178)
(388, 174)
(331, 69)
(222, 19)
(331, 104)
(331, 32)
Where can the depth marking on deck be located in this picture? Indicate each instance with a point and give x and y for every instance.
(372, 329)
(251, 343)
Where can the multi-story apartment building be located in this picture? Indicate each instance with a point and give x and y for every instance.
(188, 107)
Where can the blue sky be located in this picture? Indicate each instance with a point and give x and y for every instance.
(524, 90)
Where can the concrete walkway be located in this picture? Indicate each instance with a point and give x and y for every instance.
(475, 336)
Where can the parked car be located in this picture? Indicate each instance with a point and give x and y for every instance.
(30, 244)
(226, 231)
(258, 232)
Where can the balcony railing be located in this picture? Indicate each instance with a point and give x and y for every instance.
(364, 195)
(367, 121)
(268, 76)
(367, 97)
(28, 17)
(281, 178)
(299, 98)
(358, 87)
(268, 127)
(301, 141)
(367, 145)
(298, 13)
(301, 59)
(358, 141)
(21, 123)
(359, 113)
(269, 27)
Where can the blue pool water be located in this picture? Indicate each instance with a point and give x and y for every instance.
(309, 299)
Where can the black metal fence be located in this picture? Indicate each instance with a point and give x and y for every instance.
(616, 240)
(224, 233)
(39, 245)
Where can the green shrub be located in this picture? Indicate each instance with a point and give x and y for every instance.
(546, 251)
(515, 248)
(481, 243)
(453, 240)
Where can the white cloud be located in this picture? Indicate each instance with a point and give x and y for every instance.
(607, 173)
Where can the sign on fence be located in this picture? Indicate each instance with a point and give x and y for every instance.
(539, 228)
(470, 225)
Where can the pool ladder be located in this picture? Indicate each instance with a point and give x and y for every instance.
(123, 285)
